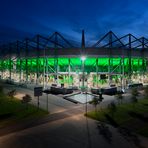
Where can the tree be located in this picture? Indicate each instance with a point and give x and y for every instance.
(1, 89)
(95, 101)
(134, 100)
(1, 93)
(26, 99)
(146, 91)
(135, 94)
(112, 108)
(119, 97)
(12, 93)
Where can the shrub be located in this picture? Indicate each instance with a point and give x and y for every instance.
(95, 101)
(112, 108)
(26, 99)
(146, 91)
(12, 93)
(135, 94)
(1, 89)
(119, 97)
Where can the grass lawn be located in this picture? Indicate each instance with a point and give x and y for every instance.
(123, 118)
(13, 111)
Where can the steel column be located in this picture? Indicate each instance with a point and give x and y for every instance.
(26, 65)
(130, 62)
(69, 71)
(97, 70)
(37, 60)
(10, 62)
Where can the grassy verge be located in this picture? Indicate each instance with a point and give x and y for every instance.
(124, 119)
(13, 111)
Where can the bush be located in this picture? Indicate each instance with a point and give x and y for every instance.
(119, 97)
(26, 99)
(146, 91)
(135, 94)
(112, 108)
(1, 89)
(134, 100)
(95, 101)
(12, 93)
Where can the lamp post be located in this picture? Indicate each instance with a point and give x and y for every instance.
(44, 69)
(83, 58)
(47, 91)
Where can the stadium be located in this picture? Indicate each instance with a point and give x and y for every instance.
(111, 61)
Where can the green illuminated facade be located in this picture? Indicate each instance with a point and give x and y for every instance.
(68, 71)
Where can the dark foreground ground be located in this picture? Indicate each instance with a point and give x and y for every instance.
(67, 128)
(74, 131)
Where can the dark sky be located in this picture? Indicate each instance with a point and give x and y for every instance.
(25, 18)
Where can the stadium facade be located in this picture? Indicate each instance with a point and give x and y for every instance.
(54, 60)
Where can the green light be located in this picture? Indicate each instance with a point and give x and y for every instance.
(75, 64)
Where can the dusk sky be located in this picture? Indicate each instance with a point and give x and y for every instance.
(26, 18)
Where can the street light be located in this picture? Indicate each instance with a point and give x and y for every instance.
(83, 58)
(47, 91)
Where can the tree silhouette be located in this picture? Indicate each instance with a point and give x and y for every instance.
(119, 98)
(12, 93)
(26, 99)
(95, 101)
(146, 91)
(134, 94)
(112, 108)
(1, 89)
